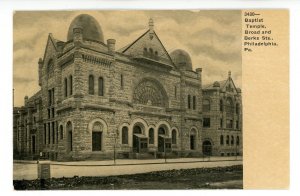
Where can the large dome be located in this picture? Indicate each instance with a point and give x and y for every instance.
(90, 27)
(181, 59)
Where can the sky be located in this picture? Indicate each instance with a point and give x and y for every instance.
(211, 37)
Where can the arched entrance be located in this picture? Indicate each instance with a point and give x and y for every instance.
(207, 148)
(137, 129)
(164, 142)
(97, 136)
(161, 145)
(193, 139)
(69, 137)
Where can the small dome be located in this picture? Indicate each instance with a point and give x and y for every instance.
(90, 28)
(216, 84)
(181, 59)
(238, 90)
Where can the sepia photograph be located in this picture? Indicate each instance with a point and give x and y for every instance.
(127, 100)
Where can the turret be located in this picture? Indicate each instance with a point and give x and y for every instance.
(111, 45)
(151, 28)
(25, 100)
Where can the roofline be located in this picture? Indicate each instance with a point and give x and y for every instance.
(135, 41)
(164, 49)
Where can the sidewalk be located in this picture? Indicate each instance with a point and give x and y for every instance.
(28, 170)
(133, 161)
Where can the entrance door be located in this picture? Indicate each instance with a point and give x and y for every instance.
(69, 137)
(97, 139)
(207, 148)
(161, 141)
(70, 141)
(33, 144)
(136, 130)
(192, 142)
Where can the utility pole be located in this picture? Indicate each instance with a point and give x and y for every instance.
(165, 152)
(235, 148)
(115, 149)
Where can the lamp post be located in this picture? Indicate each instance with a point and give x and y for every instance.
(115, 151)
(165, 152)
(115, 146)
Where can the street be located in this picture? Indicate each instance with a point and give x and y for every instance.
(28, 169)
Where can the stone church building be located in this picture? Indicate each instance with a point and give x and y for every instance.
(96, 102)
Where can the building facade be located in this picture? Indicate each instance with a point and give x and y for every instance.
(97, 102)
(222, 118)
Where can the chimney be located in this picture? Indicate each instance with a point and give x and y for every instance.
(40, 71)
(229, 74)
(111, 45)
(199, 72)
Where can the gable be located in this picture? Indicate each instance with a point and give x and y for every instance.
(50, 52)
(149, 46)
(229, 86)
(50, 49)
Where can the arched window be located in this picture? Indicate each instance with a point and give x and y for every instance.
(61, 132)
(151, 51)
(145, 52)
(161, 131)
(221, 123)
(91, 85)
(125, 135)
(194, 102)
(189, 101)
(227, 140)
(232, 140)
(229, 124)
(56, 132)
(237, 108)
(156, 55)
(151, 136)
(221, 140)
(150, 92)
(221, 105)
(237, 140)
(53, 132)
(229, 106)
(206, 105)
(69, 136)
(101, 86)
(174, 136)
(66, 87)
(71, 84)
